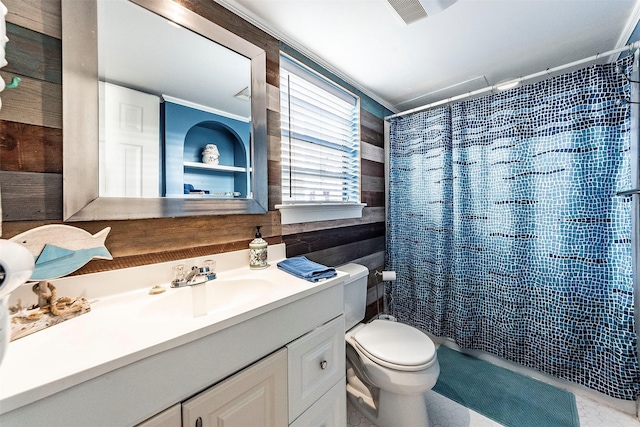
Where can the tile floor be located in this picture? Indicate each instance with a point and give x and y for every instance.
(447, 413)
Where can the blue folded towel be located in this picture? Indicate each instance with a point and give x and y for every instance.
(305, 269)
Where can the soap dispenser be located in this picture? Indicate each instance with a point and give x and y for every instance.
(258, 252)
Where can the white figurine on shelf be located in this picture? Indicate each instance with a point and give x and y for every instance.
(210, 155)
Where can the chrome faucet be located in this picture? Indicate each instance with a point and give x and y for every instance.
(196, 276)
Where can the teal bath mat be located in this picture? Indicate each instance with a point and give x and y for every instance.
(502, 395)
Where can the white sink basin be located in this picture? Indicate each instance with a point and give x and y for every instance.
(221, 294)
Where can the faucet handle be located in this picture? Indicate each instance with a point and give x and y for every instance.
(209, 266)
(197, 275)
(179, 271)
(205, 272)
(209, 269)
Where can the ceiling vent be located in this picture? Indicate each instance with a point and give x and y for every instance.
(411, 11)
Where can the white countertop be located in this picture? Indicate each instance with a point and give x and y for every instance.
(117, 332)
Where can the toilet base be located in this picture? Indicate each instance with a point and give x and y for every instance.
(387, 409)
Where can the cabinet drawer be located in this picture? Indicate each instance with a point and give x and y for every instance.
(316, 363)
(329, 411)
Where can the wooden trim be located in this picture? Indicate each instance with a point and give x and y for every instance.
(273, 123)
(371, 136)
(374, 169)
(98, 265)
(275, 150)
(373, 183)
(34, 102)
(147, 236)
(369, 215)
(275, 198)
(30, 196)
(273, 98)
(374, 261)
(42, 16)
(274, 173)
(134, 237)
(29, 148)
(314, 241)
(372, 198)
(33, 54)
(372, 310)
(343, 254)
(372, 122)
(371, 152)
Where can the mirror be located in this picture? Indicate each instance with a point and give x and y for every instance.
(206, 151)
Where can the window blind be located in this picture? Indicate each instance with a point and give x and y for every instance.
(320, 138)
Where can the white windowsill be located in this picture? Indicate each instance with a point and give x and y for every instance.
(309, 212)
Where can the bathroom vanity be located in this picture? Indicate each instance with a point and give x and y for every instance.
(269, 352)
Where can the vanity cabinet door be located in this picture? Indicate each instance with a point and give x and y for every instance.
(171, 417)
(256, 397)
(316, 364)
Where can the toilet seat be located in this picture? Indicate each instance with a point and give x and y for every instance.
(395, 345)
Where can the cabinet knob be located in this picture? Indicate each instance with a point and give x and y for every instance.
(323, 365)
(199, 422)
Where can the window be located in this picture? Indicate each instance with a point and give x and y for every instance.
(320, 124)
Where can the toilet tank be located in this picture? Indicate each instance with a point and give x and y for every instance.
(355, 293)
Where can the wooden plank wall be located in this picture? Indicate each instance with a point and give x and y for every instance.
(31, 162)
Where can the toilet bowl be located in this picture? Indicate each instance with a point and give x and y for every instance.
(390, 365)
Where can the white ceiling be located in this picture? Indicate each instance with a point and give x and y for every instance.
(472, 44)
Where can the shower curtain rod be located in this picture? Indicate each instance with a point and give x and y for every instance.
(497, 87)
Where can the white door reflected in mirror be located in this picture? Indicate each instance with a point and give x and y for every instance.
(129, 143)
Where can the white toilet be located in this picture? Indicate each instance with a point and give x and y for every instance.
(390, 365)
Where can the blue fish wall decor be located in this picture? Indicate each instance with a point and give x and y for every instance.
(59, 250)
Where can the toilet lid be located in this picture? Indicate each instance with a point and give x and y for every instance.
(396, 345)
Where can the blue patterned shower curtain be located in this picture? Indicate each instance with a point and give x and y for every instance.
(505, 230)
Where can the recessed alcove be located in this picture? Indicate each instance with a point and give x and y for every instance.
(187, 131)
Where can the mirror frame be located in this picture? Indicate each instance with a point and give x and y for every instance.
(81, 201)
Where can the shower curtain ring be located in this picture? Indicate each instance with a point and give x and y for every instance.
(621, 71)
(621, 102)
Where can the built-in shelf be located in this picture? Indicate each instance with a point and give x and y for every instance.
(219, 168)
(202, 196)
(187, 132)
